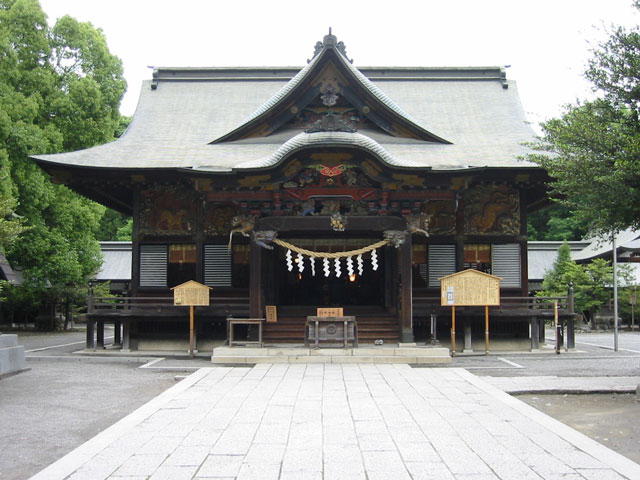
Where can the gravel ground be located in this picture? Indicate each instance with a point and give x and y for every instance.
(610, 419)
(51, 409)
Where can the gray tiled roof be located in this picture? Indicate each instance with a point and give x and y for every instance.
(602, 247)
(116, 263)
(174, 124)
(541, 255)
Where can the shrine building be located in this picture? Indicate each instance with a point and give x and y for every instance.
(325, 186)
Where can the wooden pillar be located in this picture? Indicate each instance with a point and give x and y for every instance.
(390, 300)
(100, 334)
(406, 278)
(91, 326)
(117, 337)
(255, 281)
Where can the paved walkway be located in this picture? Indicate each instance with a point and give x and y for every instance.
(338, 422)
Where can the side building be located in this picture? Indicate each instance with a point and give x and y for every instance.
(322, 186)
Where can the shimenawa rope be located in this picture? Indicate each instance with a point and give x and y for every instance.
(350, 253)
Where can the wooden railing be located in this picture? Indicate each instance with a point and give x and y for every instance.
(534, 303)
(520, 306)
(149, 305)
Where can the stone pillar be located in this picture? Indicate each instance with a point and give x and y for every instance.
(126, 336)
(467, 336)
(535, 333)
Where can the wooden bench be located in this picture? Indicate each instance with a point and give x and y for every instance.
(231, 322)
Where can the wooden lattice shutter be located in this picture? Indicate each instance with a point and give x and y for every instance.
(442, 261)
(505, 263)
(153, 265)
(217, 266)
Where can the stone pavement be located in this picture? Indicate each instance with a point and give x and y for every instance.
(338, 422)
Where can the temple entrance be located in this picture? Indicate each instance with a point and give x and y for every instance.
(364, 286)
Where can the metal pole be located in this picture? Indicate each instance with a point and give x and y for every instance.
(615, 292)
(556, 324)
(486, 329)
(191, 322)
(453, 331)
(633, 321)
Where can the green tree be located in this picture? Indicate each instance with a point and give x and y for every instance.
(592, 151)
(555, 222)
(110, 225)
(60, 89)
(592, 282)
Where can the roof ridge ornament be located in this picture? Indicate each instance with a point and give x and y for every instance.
(330, 41)
(331, 123)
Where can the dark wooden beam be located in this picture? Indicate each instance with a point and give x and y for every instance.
(255, 281)
(406, 279)
(320, 223)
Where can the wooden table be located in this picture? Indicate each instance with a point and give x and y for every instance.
(231, 321)
(336, 329)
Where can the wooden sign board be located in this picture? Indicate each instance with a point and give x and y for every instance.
(272, 313)
(470, 288)
(330, 312)
(191, 294)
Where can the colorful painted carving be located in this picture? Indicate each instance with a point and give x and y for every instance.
(243, 224)
(492, 210)
(218, 218)
(442, 216)
(167, 211)
(418, 223)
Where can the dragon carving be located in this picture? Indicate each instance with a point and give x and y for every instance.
(244, 224)
(418, 223)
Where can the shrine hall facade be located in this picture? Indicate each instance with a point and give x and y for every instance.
(325, 186)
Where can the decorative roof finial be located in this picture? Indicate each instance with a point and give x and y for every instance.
(330, 41)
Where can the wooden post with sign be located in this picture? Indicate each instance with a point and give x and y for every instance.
(469, 288)
(191, 294)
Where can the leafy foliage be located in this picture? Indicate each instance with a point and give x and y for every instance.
(555, 222)
(60, 89)
(593, 150)
(592, 282)
(110, 225)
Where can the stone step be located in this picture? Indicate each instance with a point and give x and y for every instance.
(12, 357)
(407, 355)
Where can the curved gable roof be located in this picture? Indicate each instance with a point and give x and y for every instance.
(370, 100)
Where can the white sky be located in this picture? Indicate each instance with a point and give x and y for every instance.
(546, 42)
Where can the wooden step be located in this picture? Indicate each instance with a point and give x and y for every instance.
(370, 328)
